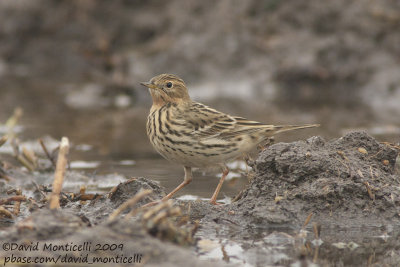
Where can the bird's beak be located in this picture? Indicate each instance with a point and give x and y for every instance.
(149, 85)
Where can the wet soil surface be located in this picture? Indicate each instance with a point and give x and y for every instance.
(314, 201)
(351, 178)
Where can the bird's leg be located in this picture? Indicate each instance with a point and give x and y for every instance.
(186, 180)
(225, 172)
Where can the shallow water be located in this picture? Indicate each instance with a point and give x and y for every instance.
(170, 175)
(282, 246)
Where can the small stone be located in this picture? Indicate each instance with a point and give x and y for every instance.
(362, 150)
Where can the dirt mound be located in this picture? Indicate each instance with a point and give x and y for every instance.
(349, 181)
(83, 232)
(65, 238)
(128, 189)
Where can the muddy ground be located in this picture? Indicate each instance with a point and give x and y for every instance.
(315, 200)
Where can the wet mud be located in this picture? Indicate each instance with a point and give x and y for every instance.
(345, 182)
(312, 201)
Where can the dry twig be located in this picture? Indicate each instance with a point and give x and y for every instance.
(47, 152)
(17, 204)
(59, 173)
(3, 175)
(129, 203)
(3, 140)
(12, 199)
(4, 212)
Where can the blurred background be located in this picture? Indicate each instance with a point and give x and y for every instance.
(74, 67)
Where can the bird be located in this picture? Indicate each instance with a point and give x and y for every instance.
(197, 136)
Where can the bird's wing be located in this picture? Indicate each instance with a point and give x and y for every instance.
(206, 123)
(246, 127)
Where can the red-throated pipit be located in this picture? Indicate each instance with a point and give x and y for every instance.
(194, 135)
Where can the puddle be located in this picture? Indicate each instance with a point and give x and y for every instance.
(284, 247)
(170, 175)
(84, 164)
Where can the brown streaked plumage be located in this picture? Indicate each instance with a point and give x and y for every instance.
(194, 135)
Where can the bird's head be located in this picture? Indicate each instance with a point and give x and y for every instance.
(167, 88)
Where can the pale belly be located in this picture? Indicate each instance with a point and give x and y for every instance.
(196, 155)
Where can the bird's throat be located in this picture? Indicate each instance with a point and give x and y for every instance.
(159, 98)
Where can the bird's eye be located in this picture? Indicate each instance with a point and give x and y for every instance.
(169, 84)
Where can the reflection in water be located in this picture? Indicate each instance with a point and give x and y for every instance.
(80, 164)
(288, 247)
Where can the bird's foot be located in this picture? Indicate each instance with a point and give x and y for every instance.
(215, 203)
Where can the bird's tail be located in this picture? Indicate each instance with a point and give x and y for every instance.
(285, 128)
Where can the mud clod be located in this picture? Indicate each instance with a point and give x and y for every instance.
(331, 179)
(128, 189)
